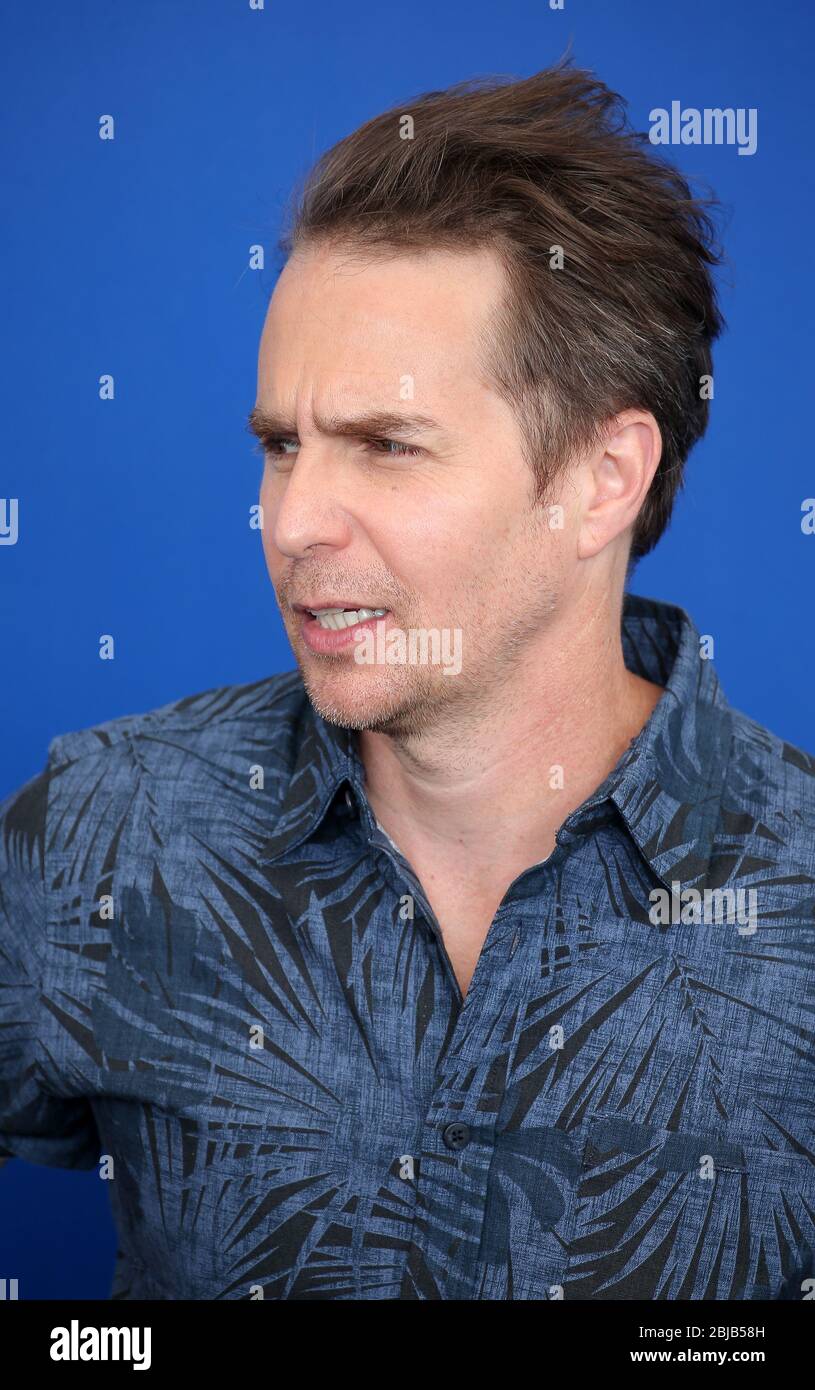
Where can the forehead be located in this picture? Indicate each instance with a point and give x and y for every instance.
(341, 311)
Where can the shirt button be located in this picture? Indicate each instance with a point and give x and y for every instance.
(456, 1135)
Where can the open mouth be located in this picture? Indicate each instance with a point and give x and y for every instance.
(335, 619)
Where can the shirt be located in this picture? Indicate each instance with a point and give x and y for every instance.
(222, 984)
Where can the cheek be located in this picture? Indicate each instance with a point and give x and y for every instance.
(446, 549)
(266, 520)
(266, 492)
(437, 531)
(426, 558)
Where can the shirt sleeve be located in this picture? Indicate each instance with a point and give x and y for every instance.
(35, 1123)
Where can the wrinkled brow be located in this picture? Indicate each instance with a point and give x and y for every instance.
(270, 425)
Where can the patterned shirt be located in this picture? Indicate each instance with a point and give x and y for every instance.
(222, 983)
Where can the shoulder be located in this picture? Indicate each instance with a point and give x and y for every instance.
(139, 776)
(769, 792)
(220, 716)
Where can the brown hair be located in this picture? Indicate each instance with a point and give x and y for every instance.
(524, 167)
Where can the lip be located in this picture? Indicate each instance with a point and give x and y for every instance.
(323, 639)
(332, 603)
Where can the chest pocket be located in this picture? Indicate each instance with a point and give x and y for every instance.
(667, 1214)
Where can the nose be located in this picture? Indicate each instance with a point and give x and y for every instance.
(308, 511)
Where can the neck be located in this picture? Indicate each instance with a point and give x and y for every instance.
(494, 784)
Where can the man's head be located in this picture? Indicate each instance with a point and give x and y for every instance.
(518, 298)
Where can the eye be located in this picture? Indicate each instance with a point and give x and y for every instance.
(277, 447)
(277, 451)
(286, 447)
(394, 447)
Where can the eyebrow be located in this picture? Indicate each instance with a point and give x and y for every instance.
(267, 424)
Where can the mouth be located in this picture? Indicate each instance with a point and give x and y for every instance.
(337, 617)
(336, 628)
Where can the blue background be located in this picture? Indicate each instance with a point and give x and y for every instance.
(131, 257)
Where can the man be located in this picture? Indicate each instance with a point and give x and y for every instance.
(473, 959)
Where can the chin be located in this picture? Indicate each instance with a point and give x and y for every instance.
(379, 701)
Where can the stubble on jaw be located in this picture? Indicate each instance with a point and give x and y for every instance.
(404, 707)
(407, 701)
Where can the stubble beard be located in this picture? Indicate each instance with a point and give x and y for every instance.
(407, 701)
(401, 700)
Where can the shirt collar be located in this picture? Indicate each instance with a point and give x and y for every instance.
(667, 786)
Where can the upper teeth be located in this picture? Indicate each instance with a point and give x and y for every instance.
(337, 618)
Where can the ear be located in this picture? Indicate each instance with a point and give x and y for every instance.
(616, 478)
